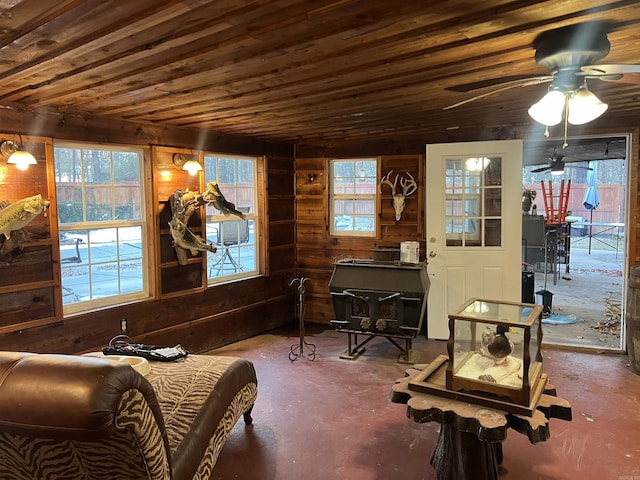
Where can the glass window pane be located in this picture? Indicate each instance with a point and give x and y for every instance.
(472, 206)
(68, 165)
(99, 203)
(344, 169)
(364, 206)
(235, 238)
(493, 172)
(454, 225)
(473, 192)
(342, 206)
(103, 245)
(102, 189)
(130, 242)
(127, 203)
(126, 168)
(493, 202)
(75, 284)
(353, 192)
(97, 167)
(130, 279)
(472, 226)
(363, 223)
(345, 186)
(366, 185)
(493, 234)
(70, 206)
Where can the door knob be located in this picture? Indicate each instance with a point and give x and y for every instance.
(432, 254)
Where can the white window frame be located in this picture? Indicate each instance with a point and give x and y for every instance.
(239, 259)
(355, 197)
(125, 258)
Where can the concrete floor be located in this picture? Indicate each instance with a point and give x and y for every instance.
(592, 290)
(331, 419)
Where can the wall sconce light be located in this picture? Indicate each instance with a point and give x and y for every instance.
(189, 163)
(17, 154)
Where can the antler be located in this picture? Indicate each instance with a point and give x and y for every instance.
(408, 186)
(385, 181)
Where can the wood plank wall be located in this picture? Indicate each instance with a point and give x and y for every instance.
(31, 316)
(317, 250)
(31, 321)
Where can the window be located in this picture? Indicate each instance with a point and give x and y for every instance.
(473, 208)
(102, 226)
(236, 239)
(353, 196)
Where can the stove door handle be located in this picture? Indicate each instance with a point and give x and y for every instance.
(347, 292)
(389, 297)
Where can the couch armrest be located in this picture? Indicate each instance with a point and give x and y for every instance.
(66, 397)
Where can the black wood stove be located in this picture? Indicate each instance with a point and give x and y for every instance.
(379, 299)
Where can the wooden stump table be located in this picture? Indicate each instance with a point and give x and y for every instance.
(469, 445)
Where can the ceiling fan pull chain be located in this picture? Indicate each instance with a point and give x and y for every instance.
(566, 121)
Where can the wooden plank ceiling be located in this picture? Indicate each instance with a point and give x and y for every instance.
(314, 72)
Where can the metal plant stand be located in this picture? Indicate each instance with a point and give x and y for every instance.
(297, 351)
(546, 295)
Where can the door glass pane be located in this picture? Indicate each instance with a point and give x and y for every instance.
(492, 236)
(473, 202)
(492, 202)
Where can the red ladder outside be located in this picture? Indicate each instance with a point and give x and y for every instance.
(554, 215)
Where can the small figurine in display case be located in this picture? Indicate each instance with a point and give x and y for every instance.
(494, 350)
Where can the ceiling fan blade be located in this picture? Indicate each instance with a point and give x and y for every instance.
(578, 166)
(611, 69)
(533, 81)
(602, 159)
(492, 82)
(614, 73)
(633, 78)
(538, 170)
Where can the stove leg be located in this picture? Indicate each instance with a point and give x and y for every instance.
(354, 352)
(404, 352)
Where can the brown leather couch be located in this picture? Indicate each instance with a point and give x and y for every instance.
(78, 417)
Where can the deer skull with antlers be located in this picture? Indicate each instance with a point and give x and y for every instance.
(408, 185)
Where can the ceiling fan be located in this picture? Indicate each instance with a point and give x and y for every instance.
(570, 54)
(557, 164)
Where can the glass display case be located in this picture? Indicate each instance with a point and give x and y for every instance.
(494, 350)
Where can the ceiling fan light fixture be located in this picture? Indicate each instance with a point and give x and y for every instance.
(476, 164)
(584, 107)
(556, 169)
(549, 110)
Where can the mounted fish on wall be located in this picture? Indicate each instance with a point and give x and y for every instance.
(183, 204)
(14, 217)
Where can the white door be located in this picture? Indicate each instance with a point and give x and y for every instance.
(474, 225)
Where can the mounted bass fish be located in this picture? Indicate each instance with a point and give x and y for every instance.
(183, 204)
(214, 196)
(15, 216)
(183, 237)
